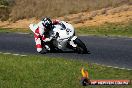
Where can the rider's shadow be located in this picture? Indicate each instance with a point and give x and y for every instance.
(69, 51)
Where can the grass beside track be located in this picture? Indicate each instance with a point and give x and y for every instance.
(21, 30)
(45, 72)
(108, 29)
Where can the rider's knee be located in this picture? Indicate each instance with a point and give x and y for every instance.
(39, 50)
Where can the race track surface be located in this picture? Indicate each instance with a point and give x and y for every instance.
(104, 50)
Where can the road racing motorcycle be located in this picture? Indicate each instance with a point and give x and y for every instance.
(65, 38)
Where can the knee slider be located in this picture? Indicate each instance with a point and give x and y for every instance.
(39, 49)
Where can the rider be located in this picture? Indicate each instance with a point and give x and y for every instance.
(42, 33)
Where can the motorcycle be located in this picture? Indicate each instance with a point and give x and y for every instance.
(65, 38)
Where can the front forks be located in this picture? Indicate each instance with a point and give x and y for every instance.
(71, 42)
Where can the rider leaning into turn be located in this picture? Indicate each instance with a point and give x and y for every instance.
(41, 33)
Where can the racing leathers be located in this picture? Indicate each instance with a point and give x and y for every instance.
(41, 36)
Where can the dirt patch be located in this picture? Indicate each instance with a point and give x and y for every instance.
(18, 24)
(94, 18)
(99, 17)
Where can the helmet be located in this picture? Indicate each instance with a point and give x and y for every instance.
(47, 23)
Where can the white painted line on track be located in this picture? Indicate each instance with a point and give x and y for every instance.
(7, 53)
(118, 67)
(16, 54)
(94, 63)
(23, 55)
(114, 67)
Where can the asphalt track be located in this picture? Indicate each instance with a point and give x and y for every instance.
(104, 50)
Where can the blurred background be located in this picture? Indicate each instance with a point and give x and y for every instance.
(20, 9)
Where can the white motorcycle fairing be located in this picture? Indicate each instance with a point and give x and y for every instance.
(65, 33)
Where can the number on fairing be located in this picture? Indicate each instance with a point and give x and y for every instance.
(68, 31)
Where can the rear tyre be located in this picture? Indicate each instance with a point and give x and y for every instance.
(81, 48)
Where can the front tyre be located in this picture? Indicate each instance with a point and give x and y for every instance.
(81, 48)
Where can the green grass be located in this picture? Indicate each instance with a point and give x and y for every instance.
(22, 30)
(108, 29)
(46, 72)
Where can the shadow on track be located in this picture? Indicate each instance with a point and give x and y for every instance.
(69, 51)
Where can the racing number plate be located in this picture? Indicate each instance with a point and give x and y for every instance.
(68, 31)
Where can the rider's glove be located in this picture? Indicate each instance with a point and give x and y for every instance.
(47, 39)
